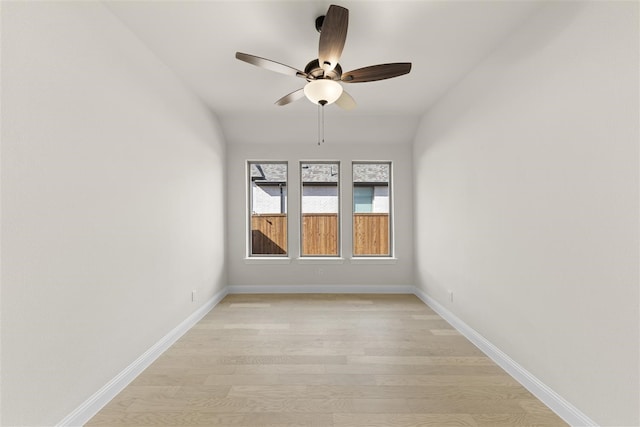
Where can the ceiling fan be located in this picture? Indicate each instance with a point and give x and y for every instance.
(324, 74)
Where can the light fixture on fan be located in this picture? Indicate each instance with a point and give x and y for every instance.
(323, 91)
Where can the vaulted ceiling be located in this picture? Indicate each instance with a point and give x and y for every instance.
(198, 39)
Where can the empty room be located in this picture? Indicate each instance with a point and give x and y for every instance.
(311, 213)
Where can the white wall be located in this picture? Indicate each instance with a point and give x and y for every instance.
(112, 176)
(526, 201)
(296, 273)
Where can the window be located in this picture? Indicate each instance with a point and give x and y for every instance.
(320, 208)
(371, 209)
(268, 208)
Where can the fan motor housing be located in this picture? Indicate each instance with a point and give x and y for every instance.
(314, 69)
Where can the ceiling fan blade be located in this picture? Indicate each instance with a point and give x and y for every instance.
(346, 101)
(333, 36)
(293, 96)
(270, 65)
(377, 72)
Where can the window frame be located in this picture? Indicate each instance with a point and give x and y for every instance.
(338, 254)
(249, 211)
(391, 244)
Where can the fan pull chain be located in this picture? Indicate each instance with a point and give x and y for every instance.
(319, 125)
(322, 114)
(321, 105)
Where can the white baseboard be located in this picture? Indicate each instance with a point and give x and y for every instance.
(553, 400)
(92, 405)
(321, 289)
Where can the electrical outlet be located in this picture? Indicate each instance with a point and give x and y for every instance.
(193, 296)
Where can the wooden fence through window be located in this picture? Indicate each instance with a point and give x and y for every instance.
(371, 234)
(320, 234)
(269, 234)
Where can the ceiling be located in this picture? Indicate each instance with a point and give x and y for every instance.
(444, 40)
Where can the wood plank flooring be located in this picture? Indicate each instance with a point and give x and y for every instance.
(324, 360)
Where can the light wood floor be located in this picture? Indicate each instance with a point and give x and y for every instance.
(324, 360)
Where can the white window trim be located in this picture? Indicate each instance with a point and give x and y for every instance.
(381, 259)
(263, 258)
(267, 260)
(329, 259)
(373, 260)
(319, 259)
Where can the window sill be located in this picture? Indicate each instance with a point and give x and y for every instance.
(267, 260)
(320, 260)
(373, 260)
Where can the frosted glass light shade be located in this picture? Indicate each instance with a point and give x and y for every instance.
(323, 90)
